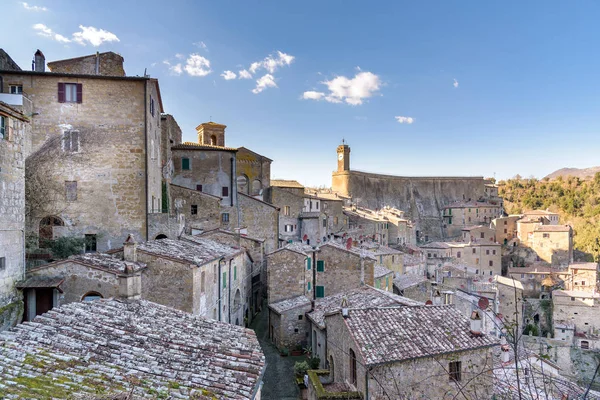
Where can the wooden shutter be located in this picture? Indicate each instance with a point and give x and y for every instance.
(79, 93)
(225, 191)
(320, 266)
(308, 262)
(61, 92)
(185, 163)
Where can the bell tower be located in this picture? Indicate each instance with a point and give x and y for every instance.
(343, 154)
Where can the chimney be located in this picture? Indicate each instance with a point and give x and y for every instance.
(130, 249)
(97, 62)
(475, 323)
(39, 62)
(344, 307)
(130, 283)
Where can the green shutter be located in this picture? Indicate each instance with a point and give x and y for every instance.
(224, 280)
(185, 163)
(320, 266)
(320, 291)
(378, 284)
(387, 282)
(308, 286)
(235, 273)
(308, 261)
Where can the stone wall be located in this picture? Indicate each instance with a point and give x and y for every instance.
(287, 276)
(421, 198)
(255, 169)
(79, 280)
(342, 270)
(7, 63)
(583, 312)
(208, 208)
(293, 327)
(107, 64)
(99, 145)
(261, 219)
(290, 203)
(13, 150)
(555, 248)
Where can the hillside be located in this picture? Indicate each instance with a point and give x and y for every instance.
(581, 173)
(576, 200)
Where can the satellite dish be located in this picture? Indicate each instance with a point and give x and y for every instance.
(483, 303)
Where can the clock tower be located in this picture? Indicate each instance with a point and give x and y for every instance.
(343, 154)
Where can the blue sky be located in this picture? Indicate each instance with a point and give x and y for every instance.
(484, 87)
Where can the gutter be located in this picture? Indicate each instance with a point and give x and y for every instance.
(146, 149)
(259, 383)
(231, 183)
(367, 383)
(229, 295)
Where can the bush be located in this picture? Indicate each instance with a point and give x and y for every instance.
(314, 362)
(66, 246)
(300, 367)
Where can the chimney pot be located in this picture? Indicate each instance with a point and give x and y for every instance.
(39, 61)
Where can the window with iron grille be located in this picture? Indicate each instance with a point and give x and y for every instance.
(454, 369)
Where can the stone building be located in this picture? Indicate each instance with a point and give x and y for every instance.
(509, 300)
(85, 277)
(253, 173)
(461, 214)
(383, 278)
(390, 258)
(413, 348)
(552, 217)
(15, 140)
(201, 211)
(505, 227)
(132, 348)
(414, 287)
(422, 198)
(582, 277)
(288, 196)
(290, 272)
(483, 259)
(579, 308)
(553, 244)
(365, 224)
(85, 167)
(478, 234)
(288, 325)
(259, 219)
(538, 280)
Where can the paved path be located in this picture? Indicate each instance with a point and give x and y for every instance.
(279, 381)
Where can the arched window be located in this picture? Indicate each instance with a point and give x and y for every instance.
(46, 231)
(161, 236)
(237, 300)
(352, 367)
(256, 187)
(202, 282)
(331, 369)
(91, 296)
(242, 184)
(585, 344)
(213, 140)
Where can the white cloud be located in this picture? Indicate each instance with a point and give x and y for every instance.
(93, 36)
(180, 56)
(264, 82)
(228, 75)
(244, 74)
(201, 45)
(352, 91)
(196, 65)
(455, 84)
(33, 8)
(43, 30)
(405, 120)
(272, 62)
(312, 95)
(176, 69)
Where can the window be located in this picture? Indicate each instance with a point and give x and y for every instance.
(308, 263)
(476, 272)
(151, 106)
(185, 164)
(225, 217)
(320, 266)
(308, 286)
(194, 210)
(454, 371)
(225, 191)
(2, 263)
(324, 222)
(90, 243)
(215, 273)
(2, 127)
(585, 344)
(286, 210)
(572, 298)
(199, 188)
(482, 235)
(224, 280)
(505, 222)
(317, 205)
(335, 220)
(505, 231)
(474, 250)
(91, 296)
(494, 252)
(458, 254)
(491, 273)
(546, 235)
(71, 190)
(16, 89)
(352, 367)
(387, 282)
(320, 291)
(300, 317)
(487, 252)
(202, 282)
(70, 141)
(288, 228)
(70, 92)
(235, 272)
(491, 263)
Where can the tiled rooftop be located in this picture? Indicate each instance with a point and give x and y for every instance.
(197, 146)
(113, 346)
(192, 249)
(471, 204)
(286, 183)
(381, 271)
(576, 293)
(290, 304)
(357, 251)
(391, 334)
(552, 228)
(107, 262)
(384, 250)
(406, 281)
(362, 297)
(584, 265)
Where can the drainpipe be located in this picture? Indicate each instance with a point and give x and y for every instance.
(229, 295)
(237, 199)
(219, 288)
(367, 384)
(232, 160)
(314, 269)
(146, 149)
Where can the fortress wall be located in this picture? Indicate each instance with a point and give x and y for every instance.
(422, 198)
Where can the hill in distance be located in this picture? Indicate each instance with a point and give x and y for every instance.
(581, 173)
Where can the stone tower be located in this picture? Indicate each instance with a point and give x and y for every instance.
(211, 133)
(343, 154)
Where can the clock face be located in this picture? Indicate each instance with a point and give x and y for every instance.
(340, 156)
